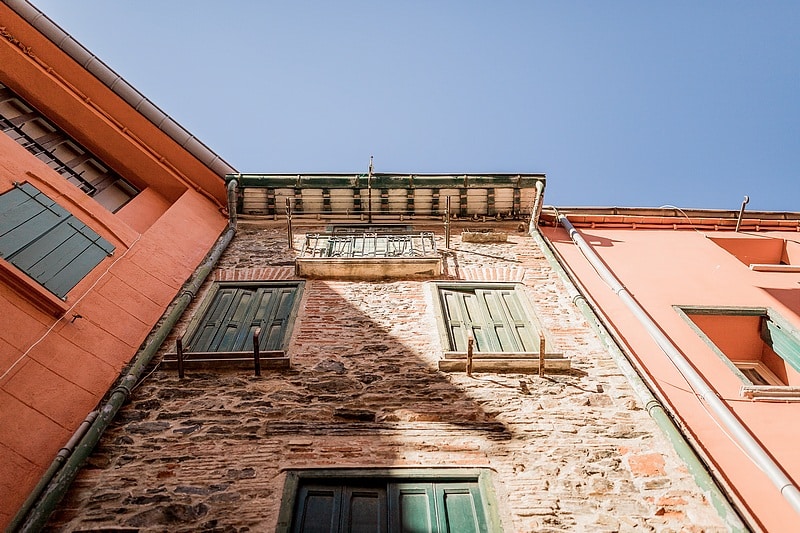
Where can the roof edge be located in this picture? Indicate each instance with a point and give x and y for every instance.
(671, 218)
(117, 84)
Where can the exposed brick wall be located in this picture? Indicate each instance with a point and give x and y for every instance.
(572, 451)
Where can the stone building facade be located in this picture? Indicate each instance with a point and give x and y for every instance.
(573, 450)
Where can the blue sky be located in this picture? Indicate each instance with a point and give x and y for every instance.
(620, 103)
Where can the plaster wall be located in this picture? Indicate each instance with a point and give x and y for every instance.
(58, 358)
(665, 268)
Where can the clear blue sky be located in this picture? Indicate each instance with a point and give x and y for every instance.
(626, 103)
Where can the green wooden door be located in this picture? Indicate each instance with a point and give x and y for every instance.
(361, 506)
(331, 508)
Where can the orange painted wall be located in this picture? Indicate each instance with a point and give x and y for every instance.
(54, 371)
(664, 268)
(85, 108)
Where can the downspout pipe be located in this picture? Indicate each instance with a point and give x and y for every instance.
(35, 516)
(737, 431)
(652, 405)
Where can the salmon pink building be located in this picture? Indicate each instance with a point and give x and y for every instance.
(707, 306)
(106, 207)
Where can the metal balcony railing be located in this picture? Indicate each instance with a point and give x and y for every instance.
(369, 245)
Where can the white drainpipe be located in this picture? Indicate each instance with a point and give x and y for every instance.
(734, 428)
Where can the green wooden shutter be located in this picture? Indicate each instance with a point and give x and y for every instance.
(46, 242)
(235, 313)
(364, 510)
(783, 342)
(318, 509)
(460, 508)
(494, 317)
(425, 507)
(521, 336)
(459, 323)
(412, 508)
(325, 508)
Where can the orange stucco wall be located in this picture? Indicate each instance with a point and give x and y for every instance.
(85, 108)
(53, 369)
(665, 268)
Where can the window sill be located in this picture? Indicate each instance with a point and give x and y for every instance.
(521, 362)
(30, 290)
(768, 267)
(770, 392)
(365, 268)
(206, 360)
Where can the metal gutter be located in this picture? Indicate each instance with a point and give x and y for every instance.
(736, 430)
(654, 407)
(119, 86)
(33, 516)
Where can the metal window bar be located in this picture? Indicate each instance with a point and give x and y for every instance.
(369, 245)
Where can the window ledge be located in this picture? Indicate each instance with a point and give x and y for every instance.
(30, 290)
(205, 360)
(369, 268)
(770, 392)
(518, 362)
(769, 267)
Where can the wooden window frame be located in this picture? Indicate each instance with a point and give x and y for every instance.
(395, 479)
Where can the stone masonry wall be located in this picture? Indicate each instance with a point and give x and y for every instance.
(569, 452)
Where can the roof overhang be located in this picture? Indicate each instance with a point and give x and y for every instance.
(672, 218)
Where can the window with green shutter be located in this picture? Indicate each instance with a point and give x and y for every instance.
(759, 345)
(424, 501)
(492, 316)
(506, 336)
(45, 241)
(234, 311)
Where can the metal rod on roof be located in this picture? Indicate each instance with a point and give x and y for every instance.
(447, 222)
(289, 233)
(741, 212)
(369, 192)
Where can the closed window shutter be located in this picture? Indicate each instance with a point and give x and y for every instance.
(383, 505)
(318, 509)
(331, 508)
(364, 510)
(459, 508)
(236, 312)
(412, 507)
(46, 242)
(494, 317)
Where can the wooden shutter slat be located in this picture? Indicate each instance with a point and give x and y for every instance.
(318, 508)
(783, 343)
(412, 507)
(364, 510)
(75, 270)
(460, 508)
